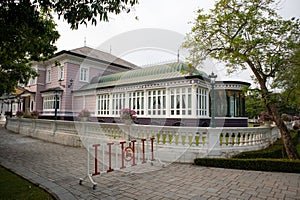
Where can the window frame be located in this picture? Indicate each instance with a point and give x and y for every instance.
(84, 77)
(202, 102)
(103, 104)
(49, 103)
(136, 102)
(157, 102)
(118, 103)
(48, 75)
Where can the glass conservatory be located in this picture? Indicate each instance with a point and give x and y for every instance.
(170, 94)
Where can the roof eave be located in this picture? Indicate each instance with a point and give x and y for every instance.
(91, 58)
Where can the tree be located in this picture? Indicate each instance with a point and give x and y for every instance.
(77, 12)
(26, 35)
(288, 81)
(248, 34)
(28, 32)
(254, 104)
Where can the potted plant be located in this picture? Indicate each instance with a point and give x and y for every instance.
(127, 115)
(35, 114)
(84, 114)
(19, 114)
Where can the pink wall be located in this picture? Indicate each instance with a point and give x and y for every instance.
(71, 71)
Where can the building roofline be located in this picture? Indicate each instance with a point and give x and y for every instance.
(234, 82)
(90, 58)
(146, 82)
(51, 89)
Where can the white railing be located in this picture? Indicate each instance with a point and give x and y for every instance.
(198, 141)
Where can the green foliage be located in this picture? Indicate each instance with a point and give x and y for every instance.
(288, 80)
(15, 187)
(254, 104)
(28, 32)
(26, 35)
(77, 12)
(272, 165)
(247, 34)
(244, 33)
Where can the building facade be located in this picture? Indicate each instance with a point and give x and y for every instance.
(163, 95)
(169, 94)
(51, 92)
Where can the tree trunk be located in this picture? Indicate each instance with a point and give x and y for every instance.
(285, 134)
(272, 109)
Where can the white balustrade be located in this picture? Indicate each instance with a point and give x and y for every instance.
(215, 142)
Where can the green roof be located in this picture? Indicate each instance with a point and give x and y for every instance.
(149, 74)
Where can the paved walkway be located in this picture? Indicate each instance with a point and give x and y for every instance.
(58, 168)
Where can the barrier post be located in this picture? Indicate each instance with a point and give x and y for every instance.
(123, 155)
(143, 151)
(109, 157)
(96, 160)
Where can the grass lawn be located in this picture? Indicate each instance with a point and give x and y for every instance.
(13, 186)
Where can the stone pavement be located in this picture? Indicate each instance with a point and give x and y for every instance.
(58, 168)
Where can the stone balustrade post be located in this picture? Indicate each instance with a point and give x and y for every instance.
(213, 136)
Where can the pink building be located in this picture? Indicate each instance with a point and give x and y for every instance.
(59, 76)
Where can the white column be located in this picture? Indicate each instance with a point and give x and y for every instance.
(126, 100)
(145, 103)
(168, 100)
(194, 101)
(110, 107)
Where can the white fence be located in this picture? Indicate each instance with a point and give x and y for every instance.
(180, 144)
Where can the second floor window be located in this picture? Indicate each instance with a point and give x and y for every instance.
(48, 75)
(32, 81)
(84, 74)
(61, 73)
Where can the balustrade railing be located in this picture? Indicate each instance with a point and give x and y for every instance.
(214, 141)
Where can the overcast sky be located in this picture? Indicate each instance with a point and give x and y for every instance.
(155, 37)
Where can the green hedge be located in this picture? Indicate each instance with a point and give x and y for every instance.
(274, 165)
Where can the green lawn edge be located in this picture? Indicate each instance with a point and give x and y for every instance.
(14, 186)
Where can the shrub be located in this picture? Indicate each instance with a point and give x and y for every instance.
(278, 165)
